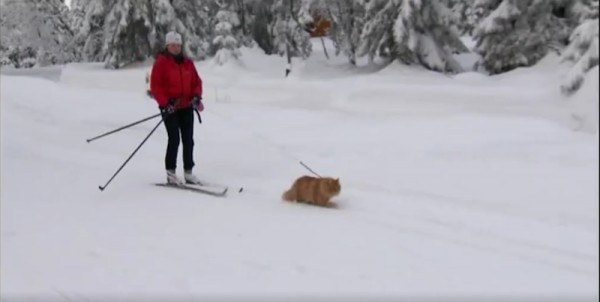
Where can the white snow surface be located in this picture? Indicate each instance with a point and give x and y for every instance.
(453, 188)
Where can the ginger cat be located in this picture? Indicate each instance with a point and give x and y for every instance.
(313, 190)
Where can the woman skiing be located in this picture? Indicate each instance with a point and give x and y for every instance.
(177, 88)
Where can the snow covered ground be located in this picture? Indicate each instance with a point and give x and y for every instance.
(453, 187)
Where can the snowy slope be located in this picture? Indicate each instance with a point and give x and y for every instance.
(451, 187)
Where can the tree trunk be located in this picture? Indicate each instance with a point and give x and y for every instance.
(288, 67)
(324, 48)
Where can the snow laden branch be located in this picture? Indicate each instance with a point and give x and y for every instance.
(583, 53)
(421, 36)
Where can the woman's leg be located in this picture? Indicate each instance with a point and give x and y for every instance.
(187, 137)
(171, 122)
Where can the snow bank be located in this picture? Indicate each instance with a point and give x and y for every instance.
(52, 73)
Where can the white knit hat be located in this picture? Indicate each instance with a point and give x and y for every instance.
(173, 38)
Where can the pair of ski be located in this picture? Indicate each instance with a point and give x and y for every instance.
(202, 187)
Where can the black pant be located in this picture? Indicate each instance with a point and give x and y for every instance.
(181, 121)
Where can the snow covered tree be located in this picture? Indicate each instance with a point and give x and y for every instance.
(482, 9)
(347, 23)
(422, 37)
(261, 29)
(127, 30)
(377, 36)
(518, 33)
(76, 15)
(226, 44)
(88, 22)
(580, 10)
(583, 52)
(461, 15)
(548, 30)
(411, 31)
(499, 36)
(35, 33)
(190, 18)
(119, 32)
(290, 37)
(245, 11)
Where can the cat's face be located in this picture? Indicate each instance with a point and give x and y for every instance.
(334, 185)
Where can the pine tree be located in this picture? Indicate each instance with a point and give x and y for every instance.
(120, 32)
(289, 35)
(578, 11)
(35, 33)
(225, 42)
(76, 15)
(347, 23)
(500, 38)
(518, 33)
(548, 32)
(422, 37)
(191, 19)
(377, 36)
(482, 9)
(245, 12)
(88, 22)
(261, 30)
(461, 15)
(127, 28)
(290, 38)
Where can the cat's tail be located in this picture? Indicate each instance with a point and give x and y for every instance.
(288, 195)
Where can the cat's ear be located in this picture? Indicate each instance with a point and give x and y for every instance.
(337, 180)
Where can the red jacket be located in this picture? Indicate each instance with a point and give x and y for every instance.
(172, 80)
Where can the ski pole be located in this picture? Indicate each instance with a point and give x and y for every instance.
(198, 114)
(130, 156)
(121, 128)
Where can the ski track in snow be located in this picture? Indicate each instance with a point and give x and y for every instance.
(448, 189)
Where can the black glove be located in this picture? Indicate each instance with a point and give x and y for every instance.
(169, 109)
(197, 103)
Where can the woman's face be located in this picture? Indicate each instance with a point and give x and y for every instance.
(174, 49)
